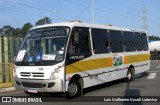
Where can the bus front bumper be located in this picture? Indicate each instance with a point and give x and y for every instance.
(39, 85)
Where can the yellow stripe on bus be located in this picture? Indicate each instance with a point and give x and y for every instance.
(92, 64)
(86, 65)
(136, 58)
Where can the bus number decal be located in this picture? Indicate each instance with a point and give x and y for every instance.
(77, 57)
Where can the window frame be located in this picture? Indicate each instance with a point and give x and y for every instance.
(115, 40)
(144, 42)
(138, 41)
(131, 40)
(106, 41)
(71, 41)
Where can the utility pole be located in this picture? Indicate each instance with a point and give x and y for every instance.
(145, 19)
(93, 11)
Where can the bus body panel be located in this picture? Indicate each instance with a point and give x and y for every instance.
(57, 87)
(39, 77)
(101, 71)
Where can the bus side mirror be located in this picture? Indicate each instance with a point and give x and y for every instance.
(76, 38)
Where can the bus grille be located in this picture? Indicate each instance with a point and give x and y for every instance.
(32, 85)
(32, 74)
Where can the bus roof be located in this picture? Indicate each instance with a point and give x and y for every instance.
(90, 25)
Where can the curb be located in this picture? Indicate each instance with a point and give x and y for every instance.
(7, 89)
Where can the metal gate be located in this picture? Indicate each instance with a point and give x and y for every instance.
(6, 75)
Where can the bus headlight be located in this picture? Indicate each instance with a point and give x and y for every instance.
(14, 72)
(54, 75)
(56, 70)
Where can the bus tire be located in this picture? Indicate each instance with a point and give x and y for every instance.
(130, 75)
(74, 90)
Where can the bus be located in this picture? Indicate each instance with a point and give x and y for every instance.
(68, 57)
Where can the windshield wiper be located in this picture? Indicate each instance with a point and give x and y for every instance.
(33, 49)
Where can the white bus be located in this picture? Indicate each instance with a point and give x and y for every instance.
(70, 56)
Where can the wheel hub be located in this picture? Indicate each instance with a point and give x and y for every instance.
(129, 75)
(72, 89)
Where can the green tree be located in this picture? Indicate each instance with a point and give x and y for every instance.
(153, 37)
(7, 30)
(1, 30)
(17, 32)
(25, 28)
(45, 20)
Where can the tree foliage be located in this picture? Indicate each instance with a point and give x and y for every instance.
(21, 32)
(153, 37)
(45, 20)
(25, 28)
(15, 32)
(6, 30)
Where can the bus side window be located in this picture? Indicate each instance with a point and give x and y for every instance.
(79, 41)
(100, 41)
(138, 41)
(129, 41)
(145, 43)
(72, 48)
(116, 41)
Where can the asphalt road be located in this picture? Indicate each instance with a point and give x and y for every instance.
(144, 85)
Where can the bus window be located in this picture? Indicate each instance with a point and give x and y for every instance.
(138, 41)
(129, 41)
(100, 41)
(79, 42)
(116, 41)
(145, 43)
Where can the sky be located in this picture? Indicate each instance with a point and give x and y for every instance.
(124, 13)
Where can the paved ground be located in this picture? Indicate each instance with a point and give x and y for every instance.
(147, 84)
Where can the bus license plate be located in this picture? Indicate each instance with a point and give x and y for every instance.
(32, 91)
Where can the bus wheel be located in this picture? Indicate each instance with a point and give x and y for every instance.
(74, 89)
(130, 75)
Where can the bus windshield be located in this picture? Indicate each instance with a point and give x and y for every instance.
(43, 46)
